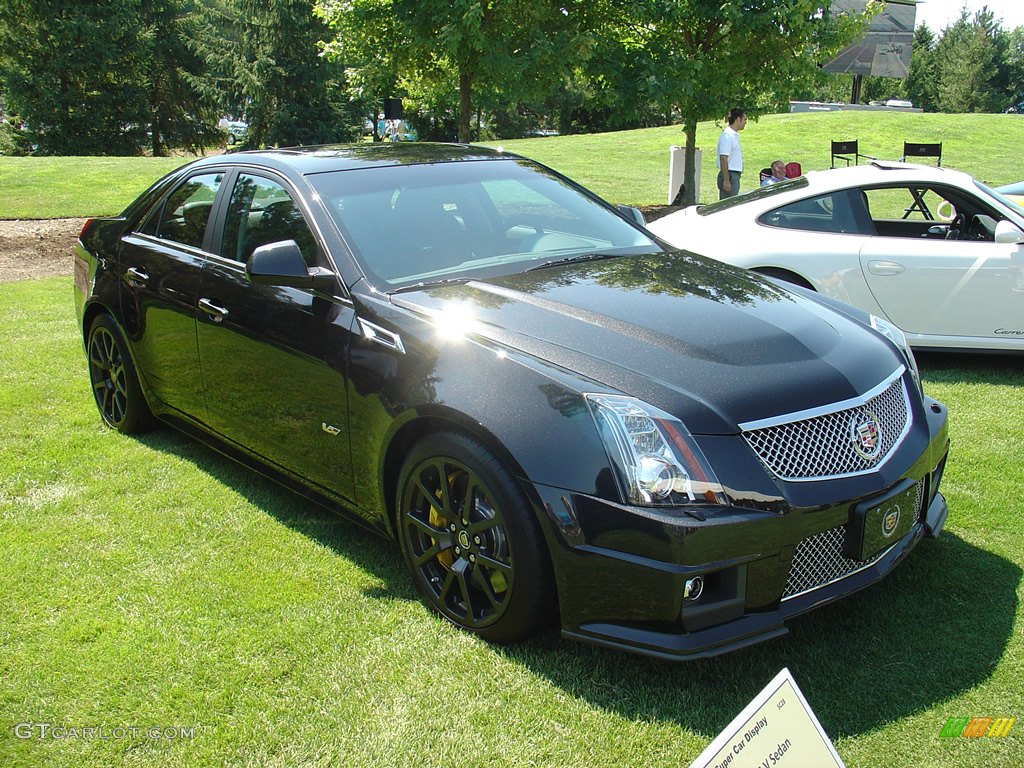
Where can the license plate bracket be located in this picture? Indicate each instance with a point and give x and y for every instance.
(881, 521)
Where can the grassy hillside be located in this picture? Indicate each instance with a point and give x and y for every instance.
(624, 167)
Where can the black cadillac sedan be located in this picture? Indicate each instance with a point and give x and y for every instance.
(553, 413)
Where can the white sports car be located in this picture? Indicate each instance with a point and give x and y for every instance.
(931, 249)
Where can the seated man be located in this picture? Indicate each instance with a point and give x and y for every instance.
(778, 174)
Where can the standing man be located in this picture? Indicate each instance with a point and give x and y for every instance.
(730, 157)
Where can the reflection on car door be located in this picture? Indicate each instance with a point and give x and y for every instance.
(161, 263)
(274, 358)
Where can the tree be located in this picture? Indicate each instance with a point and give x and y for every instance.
(181, 112)
(265, 55)
(519, 48)
(73, 75)
(704, 56)
(921, 79)
(966, 64)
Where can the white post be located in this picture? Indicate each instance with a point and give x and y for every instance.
(677, 171)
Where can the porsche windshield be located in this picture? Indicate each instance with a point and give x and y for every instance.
(408, 224)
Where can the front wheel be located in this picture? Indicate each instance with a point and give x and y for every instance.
(115, 383)
(470, 540)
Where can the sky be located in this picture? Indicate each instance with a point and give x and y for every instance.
(939, 14)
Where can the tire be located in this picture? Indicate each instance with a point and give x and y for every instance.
(482, 566)
(115, 382)
(784, 275)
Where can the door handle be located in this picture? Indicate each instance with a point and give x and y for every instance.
(136, 277)
(885, 268)
(217, 313)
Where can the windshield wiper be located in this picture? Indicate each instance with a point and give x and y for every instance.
(570, 259)
(427, 284)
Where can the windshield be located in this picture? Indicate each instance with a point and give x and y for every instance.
(755, 194)
(410, 224)
(1001, 197)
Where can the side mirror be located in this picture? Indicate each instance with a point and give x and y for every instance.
(282, 263)
(1007, 233)
(631, 213)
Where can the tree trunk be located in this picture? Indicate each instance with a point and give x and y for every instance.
(465, 105)
(691, 191)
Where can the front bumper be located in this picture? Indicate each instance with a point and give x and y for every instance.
(622, 572)
(753, 628)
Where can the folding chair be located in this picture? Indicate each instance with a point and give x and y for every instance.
(764, 174)
(793, 170)
(847, 150)
(922, 150)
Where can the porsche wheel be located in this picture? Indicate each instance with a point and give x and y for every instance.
(468, 536)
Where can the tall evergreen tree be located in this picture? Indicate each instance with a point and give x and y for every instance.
(966, 64)
(920, 84)
(266, 54)
(73, 74)
(182, 113)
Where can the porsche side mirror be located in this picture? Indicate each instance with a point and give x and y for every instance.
(282, 263)
(1007, 233)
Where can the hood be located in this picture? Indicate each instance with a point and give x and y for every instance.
(715, 345)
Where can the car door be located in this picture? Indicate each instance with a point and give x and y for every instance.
(934, 282)
(162, 261)
(274, 358)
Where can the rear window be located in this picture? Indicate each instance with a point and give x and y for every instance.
(760, 193)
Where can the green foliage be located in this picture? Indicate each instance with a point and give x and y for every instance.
(702, 57)
(103, 78)
(966, 64)
(73, 73)
(266, 56)
(492, 51)
(182, 114)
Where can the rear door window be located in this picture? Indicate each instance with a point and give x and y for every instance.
(185, 216)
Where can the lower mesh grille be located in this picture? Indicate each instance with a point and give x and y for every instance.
(819, 559)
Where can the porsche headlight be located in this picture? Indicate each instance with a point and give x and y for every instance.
(656, 460)
(897, 337)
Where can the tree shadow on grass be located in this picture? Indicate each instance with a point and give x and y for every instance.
(934, 628)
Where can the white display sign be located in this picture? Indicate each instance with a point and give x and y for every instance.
(777, 728)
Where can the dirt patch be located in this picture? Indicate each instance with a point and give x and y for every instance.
(31, 249)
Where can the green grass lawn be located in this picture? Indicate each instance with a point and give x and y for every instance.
(625, 167)
(152, 583)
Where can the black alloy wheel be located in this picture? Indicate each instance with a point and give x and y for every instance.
(115, 384)
(471, 541)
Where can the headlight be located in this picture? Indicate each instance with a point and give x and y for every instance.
(897, 337)
(656, 459)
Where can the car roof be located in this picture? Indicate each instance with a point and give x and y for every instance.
(341, 157)
(881, 172)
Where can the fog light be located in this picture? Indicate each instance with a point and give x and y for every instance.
(693, 588)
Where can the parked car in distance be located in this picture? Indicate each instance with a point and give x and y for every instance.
(235, 130)
(550, 412)
(932, 250)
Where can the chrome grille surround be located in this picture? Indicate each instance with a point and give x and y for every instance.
(819, 559)
(823, 443)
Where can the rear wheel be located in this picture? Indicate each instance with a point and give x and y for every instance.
(470, 540)
(115, 383)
